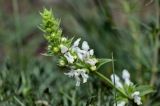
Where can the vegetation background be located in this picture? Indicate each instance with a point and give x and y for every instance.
(129, 29)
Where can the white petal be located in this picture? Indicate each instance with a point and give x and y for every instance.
(128, 82)
(64, 49)
(126, 77)
(125, 74)
(63, 39)
(80, 56)
(119, 84)
(91, 52)
(122, 103)
(75, 74)
(85, 46)
(136, 97)
(116, 79)
(69, 57)
(136, 93)
(84, 76)
(70, 74)
(76, 43)
(75, 49)
(92, 61)
(78, 74)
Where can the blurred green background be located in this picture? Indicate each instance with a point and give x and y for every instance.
(127, 28)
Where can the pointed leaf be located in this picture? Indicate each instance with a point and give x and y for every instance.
(102, 62)
(145, 89)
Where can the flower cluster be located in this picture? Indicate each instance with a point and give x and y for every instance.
(79, 60)
(126, 86)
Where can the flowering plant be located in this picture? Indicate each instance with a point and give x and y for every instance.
(79, 62)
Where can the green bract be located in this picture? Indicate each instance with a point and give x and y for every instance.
(52, 31)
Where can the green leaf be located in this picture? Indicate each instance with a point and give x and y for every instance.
(145, 89)
(102, 62)
(46, 54)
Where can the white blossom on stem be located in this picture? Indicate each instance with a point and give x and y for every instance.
(69, 57)
(63, 48)
(85, 46)
(67, 54)
(92, 61)
(126, 77)
(116, 79)
(91, 52)
(136, 97)
(83, 53)
(78, 74)
(76, 43)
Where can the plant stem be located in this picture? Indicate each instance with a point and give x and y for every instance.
(156, 47)
(108, 82)
(114, 80)
(21, 104)
(16, 19)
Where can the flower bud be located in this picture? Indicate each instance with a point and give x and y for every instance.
(75, 56)
(61, 62)
(59, 32)
(63, 39)
(53, 35)
(48, 30)
(64, 49)
(93, 68)
(55, 49)
(47, 37)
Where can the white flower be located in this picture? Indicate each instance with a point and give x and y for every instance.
(67, 54)
(122, 103)
(77, 49)
(116, 79)
(126, 77)
(125, 74)
(63, 39)
(91, 52)
(84, 75)
(64, 49)
(80, 56)
(85, 46)
(92, 61)
(69, 57)
(136, 97)
(80, 53)
(77, 74)
(76, 43)
(83, 53)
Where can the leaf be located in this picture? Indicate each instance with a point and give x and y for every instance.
(102, 62)
(145, 89)
(46, 54)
